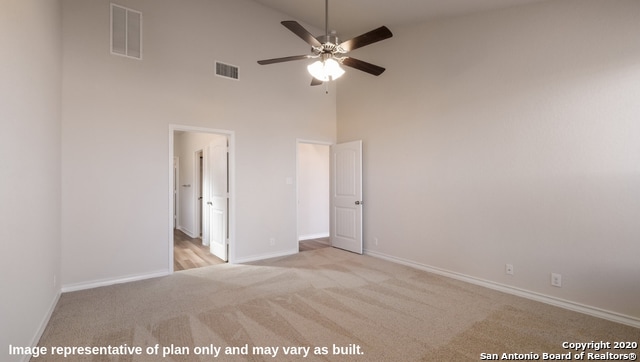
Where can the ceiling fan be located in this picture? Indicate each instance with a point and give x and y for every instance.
(330, 53)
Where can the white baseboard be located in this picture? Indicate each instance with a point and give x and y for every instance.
(104, 282)
(186, 231)
(249, 259)
(313, 236)
(562, 303)
(43, 325)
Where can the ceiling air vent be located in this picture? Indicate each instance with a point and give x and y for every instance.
(227, 71)
(126, 32)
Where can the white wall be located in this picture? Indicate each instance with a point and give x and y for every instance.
(508, 137)
(116, 117)
(313, 191)
(30, 161)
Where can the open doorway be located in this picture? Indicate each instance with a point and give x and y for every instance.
(313, 177)
(203, 233)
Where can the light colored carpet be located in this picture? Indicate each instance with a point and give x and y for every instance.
(319, 298)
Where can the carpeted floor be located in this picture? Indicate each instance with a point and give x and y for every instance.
(341, 306)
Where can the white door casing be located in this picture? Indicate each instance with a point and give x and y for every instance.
(346, 196)
(215, 197)
(176, 199)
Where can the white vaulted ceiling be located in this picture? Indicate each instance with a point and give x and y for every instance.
(354, 17)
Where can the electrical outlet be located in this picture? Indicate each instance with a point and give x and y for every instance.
(55, 277)
(375, 241)
(508, 269)
(556, 280)
(272, 241)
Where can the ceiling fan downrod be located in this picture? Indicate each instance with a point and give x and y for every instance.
(326, 19)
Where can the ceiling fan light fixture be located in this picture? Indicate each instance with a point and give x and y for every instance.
(330, 52)
(325, 70)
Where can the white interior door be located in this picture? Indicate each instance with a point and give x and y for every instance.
(215, 197)
(346, 196)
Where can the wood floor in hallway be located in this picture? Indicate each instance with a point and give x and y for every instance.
(189, 253)
(313, 244)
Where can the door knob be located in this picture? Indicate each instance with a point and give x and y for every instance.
(358, 202)
(209, 203)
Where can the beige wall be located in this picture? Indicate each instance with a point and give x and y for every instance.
(30, 81)
(115, 132)
(313, 190)
(508, 137)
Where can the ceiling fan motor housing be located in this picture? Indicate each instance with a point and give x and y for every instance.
(330, 45)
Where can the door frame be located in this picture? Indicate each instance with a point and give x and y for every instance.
(298, 142)
(232, 189)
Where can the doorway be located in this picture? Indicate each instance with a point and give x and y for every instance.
(313, 177)
(206, 156)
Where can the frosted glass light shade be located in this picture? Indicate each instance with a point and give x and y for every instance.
(325, 70)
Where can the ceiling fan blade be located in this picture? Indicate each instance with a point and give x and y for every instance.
(371, 37)
(283, 59)
(363, 66)
(301, 32)
(315, 82)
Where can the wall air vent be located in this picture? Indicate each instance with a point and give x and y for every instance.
(126, 32)
(227, 71)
